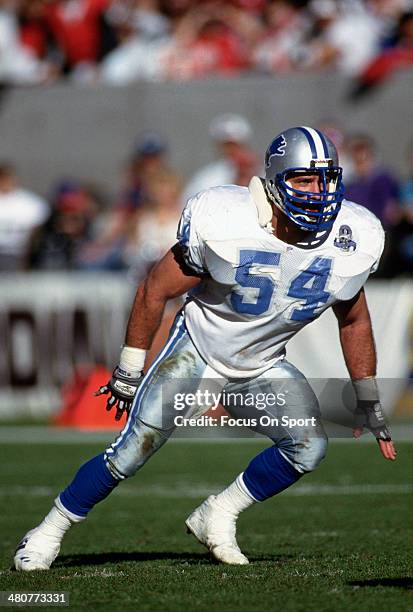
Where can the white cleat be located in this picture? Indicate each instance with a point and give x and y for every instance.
(36, 551)
(215, 528)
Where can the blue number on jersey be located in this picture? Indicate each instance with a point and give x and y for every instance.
(264, 284)
(308, 286)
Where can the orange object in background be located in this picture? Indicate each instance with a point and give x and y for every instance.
(81, 409)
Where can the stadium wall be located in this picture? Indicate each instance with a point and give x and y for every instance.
(52, 324)
(87, 132)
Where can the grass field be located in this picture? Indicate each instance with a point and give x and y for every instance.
(341, 539)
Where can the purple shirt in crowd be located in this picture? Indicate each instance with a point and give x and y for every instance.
(377, 192)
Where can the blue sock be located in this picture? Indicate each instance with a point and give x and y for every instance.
(92, 483)
(268, 474)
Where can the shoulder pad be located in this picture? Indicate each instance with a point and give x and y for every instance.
(224, 213)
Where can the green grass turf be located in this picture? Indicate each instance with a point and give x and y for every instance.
(339, 549)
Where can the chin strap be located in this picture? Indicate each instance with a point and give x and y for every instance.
(264, 208)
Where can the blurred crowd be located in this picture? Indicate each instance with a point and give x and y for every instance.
(76, 228)
(122, 41)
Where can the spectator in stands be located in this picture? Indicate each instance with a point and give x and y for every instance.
(33, 31)
(57, 244)
(21, 212)
(143, 33)
(253, 7)
(402, 233)
(205, 42)
(236, 162)
(153, 230)
(372, 185)
(287, 28)
(141, 17)
(19, 63)
(149, 160)
(81, 34)
(406, 190)
(342, 39)
(245, 17)
(396, 57)
(199, 40)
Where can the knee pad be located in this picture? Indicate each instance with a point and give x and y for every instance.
(126, 456)
(304, 455)
(310, 454)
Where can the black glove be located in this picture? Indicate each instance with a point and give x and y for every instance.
(370, 414)
(122, 391)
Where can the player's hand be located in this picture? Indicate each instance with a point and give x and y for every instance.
(122, 390)
(370, 415)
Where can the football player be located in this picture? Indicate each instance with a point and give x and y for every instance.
(258, 264)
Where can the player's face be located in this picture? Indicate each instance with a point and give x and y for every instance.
(306, 183)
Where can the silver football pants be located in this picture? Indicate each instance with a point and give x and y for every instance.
(279, 404)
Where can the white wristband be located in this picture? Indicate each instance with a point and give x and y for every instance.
(132, 360)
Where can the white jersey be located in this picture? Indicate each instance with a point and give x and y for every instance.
(259, 291)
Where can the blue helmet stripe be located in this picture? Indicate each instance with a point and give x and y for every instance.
(311, 142)
(325, 146)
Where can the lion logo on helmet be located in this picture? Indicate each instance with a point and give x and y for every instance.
(277, 147)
